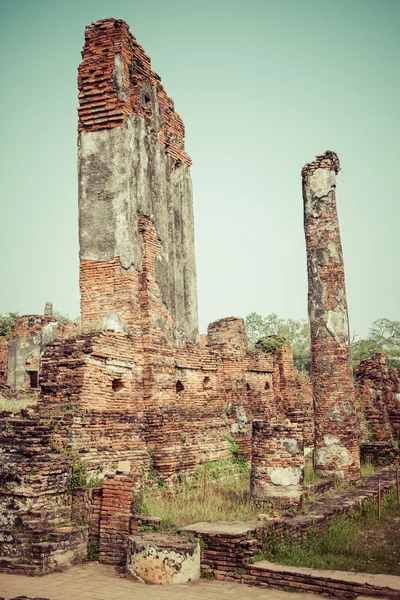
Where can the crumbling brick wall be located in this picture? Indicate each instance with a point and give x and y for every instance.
(197, 401)
(37, 530)
(113, 79)
(118, 517)
(378, 395)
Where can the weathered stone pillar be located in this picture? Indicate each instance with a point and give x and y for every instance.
(48, 309)
(336, 440)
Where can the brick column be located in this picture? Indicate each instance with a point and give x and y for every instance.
(336, 438)
(277, 467)
(117, 520)
(227, 340)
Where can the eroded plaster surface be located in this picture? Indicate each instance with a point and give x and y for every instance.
(123, 172)
(336, 447)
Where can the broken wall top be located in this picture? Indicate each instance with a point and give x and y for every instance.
(116, 80)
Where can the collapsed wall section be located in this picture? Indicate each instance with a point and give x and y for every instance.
(132, 162)
(336, 441)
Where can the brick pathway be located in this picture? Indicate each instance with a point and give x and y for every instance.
(100, 582)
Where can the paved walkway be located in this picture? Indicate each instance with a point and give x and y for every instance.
(100, 582)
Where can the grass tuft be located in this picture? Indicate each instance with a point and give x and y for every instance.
(226, 500)
(15, 405)
(367, 468)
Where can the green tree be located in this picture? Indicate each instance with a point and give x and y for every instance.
(296, 333)
(6, 322)
(383, 336)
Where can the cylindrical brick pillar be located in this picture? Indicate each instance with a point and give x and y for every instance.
(336, 441)
(277, 465)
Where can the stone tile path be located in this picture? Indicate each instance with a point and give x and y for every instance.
(100, 582)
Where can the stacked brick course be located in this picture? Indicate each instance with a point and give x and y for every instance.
(336, 441)
(117, 517)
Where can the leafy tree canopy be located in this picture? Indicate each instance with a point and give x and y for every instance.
(6, 322)
(383, 336)
(295, 333)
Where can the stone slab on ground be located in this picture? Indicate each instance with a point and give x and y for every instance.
(228, 528)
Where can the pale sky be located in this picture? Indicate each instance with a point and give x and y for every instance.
(262, 86)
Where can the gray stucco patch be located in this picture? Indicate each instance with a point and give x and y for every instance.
(124, 172)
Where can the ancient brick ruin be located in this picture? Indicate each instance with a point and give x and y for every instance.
(136, 230)
(336, 443)
(134, 395)
(137, 396)
(21, 355)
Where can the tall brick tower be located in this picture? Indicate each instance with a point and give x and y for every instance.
(336, 440)
(133, 169)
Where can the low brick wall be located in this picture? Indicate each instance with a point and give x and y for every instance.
(333, 583)
(229, 546)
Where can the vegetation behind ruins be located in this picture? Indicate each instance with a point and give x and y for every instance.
(383, 336)
(6, 323)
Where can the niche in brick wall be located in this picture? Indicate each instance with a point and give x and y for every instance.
(267, 385)
(33, 379)
(117, 384)
(179, 386)
(206, 383)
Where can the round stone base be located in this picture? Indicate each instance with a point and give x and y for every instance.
(160, 559)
